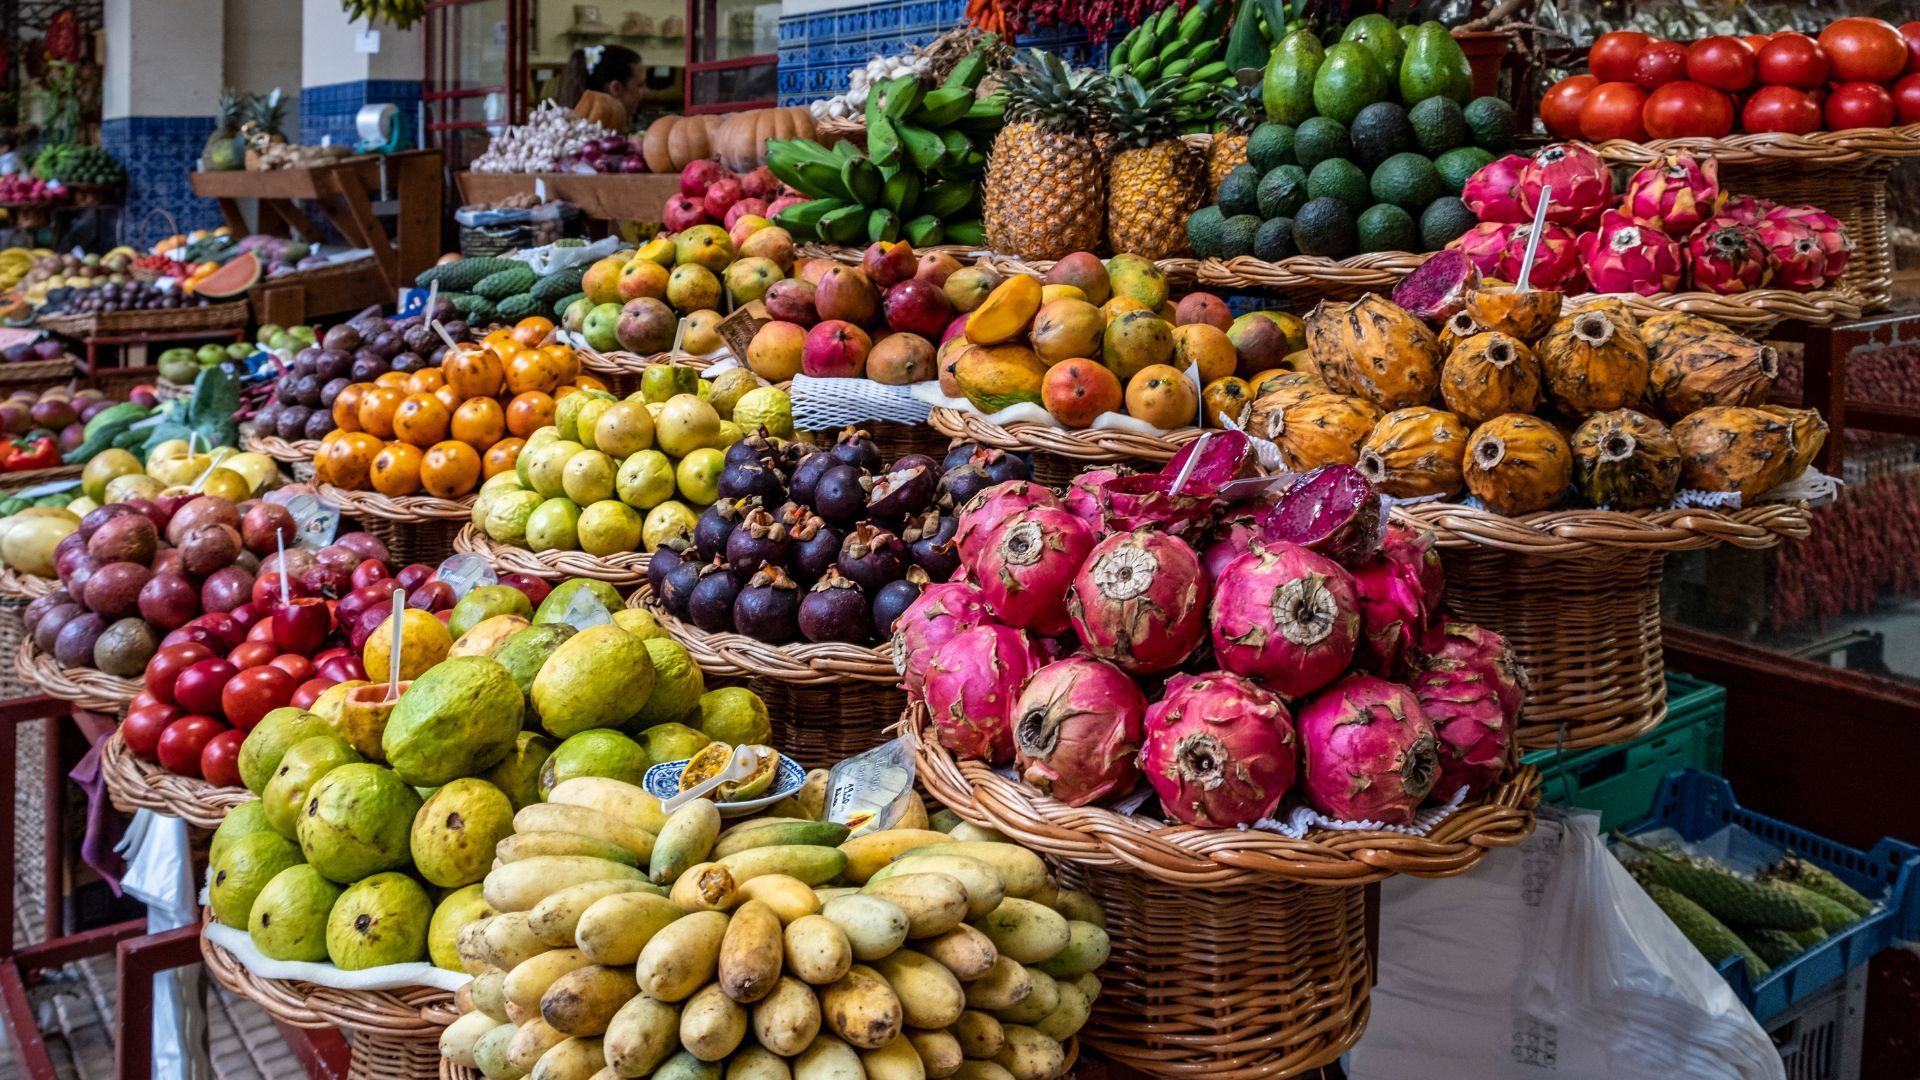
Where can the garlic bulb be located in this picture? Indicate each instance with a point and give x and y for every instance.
(550, 134)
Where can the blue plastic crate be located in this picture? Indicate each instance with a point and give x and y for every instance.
(1696, 805)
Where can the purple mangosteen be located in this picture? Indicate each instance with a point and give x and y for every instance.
(769, 607)
(872, 556)
(835, 609)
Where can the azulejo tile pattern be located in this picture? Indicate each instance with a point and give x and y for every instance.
(329, 110)
(159, 152)
(819, 48)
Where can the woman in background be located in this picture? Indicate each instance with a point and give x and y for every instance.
(603, 83)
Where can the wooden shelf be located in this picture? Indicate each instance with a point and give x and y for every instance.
(602, 196)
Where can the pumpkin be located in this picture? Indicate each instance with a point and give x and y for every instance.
(742, 140)
(653, 146)
(687, 142)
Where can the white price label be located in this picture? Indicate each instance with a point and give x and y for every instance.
(585, 611)
(465, 573)
(366, 41)
(314, 521)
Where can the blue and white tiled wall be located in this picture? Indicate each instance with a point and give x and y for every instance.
(159, 152)
(329, 110)
(819, 48)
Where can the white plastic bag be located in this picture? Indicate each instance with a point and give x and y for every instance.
(160, 875)
(1547, 959)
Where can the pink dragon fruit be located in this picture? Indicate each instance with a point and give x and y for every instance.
(1581, 185)
(1082, 499)
(1439, 286)
(1332, 510)
(1140, 600)
(940, 612)
(1219, 750)
(1674, 194)
(1077, 728)
(1398, 594)
(1492, 192)
(986, 510)
(1556, 262)
(1150, 501)
(1287, 617)
(1455, 641)
(1473, 728)
(1745, 209)
(971, 685)
(1727, 257)
(1485, 245)
(1627, 256)
(1027, 564)
(1799, 260)
(1833, 235)
(1230, 545)
(1370, 751)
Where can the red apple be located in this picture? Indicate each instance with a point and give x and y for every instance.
(368, 572)
(432, 596)
(295, 665)
(220, 759)
(309, 692)
(142, 727)
(199, 687)
(261, 631)
(168, 663)
(178, 750)
(224, 628)
(412, 575)
(301, 626)
(254, 693)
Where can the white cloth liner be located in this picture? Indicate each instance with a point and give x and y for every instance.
(1027, 413)
(385, 977)
(1300, 819)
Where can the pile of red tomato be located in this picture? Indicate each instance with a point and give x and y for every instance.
(1859, 73)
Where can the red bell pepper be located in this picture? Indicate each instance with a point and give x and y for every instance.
(41, 453)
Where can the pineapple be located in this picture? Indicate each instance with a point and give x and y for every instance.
(1154, 181)
(1241, 109)
(268, 115)
(224, 149)
(1045, 168)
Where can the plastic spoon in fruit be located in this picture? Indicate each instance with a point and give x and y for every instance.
(1533, 241)
(280, 547)
(745, 760)
(1186, 467)
(393, 661)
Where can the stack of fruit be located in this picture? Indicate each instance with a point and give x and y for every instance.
(1514, 374)
(1365, 147)
(1672, 228)
(681, 948)
(636, 301)
(589, 472)
(300, 404)
(21, 190)
(338, 785)
(45, 429)
(919, 177)
(71, 164)
(1330, 662)
(711, 195)
(821, 545)
(1858, 73)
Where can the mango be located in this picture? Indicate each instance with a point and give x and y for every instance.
(1007, 312)
(1163, 396)
(1067, 328)
(1075, 392)
(996, 377)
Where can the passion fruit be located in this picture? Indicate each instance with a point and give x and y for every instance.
(712, 759)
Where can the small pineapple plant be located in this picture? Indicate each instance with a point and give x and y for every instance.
(1154, 181)
(1240, 110)
(224, 149)
(266, 117)
(1046, 167)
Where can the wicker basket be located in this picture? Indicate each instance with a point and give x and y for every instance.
(415, 528)
(1577, 593)
(1060, 454)
(58, 370)
(293, 452)
(621, 371)
(227, 316)
(626, 568)
(85, 687)
(1232, 955)
(15, 585)
(395, 1034)
(13, 631)
(827, 701)
(134, 784)
(26, 478)
(895, 439)
(1180, 273)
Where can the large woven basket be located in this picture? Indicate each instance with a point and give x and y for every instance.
(827, 701)
(415, 528)
(15, 585)
(1577, 593)
(227, 316)
(297, 453)
(50, 372)
(26, 478)
(1236, 954)
(626, 568)
(394, 1034)
(13, 631)
(1060, 454)
(134, 784)
(621, 371)
(93, 690)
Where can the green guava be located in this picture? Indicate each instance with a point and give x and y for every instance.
(677, 683)
(598, 678)
(518, 774)
(243, 820)
(304, 763)
(245, 867)
(456, 910)
(455, 831)
(289, 919)
(379, 920)
(268, 741)
(595, 752)
(356, 821)
(672, 742)
(458, 718)
(735, 714)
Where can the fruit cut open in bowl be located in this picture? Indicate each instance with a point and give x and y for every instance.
(664, 781)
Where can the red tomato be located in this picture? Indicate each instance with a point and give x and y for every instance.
(198, 688)
(143, 700)
(1684, 110)
(1722, 62)
(168, 663)
(252, 653)
(1758, 41)
(1864, 50)
(1612, 111)
(1859, 105)
(1911, 31)
(309, 692)
(295, 665)
(1906, 98)
(180, 745)
(220, 759)
(1612, 56)
(1660, 63)
(254, 693)
(1560, 106)
(1780, 108)
(142, 727)
(1794, 60)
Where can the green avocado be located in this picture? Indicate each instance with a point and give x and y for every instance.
(1324, 227)
(1236, 235)
(1434, 66)
(1340, 179)
(1237, 191)
(1444, 220)
(1274, 240)
(1270, 146)
(1320, 138)
(1203, 231)
(1379, 132)
(1349, 79)
(1286, 88)
(1385, 227)
(1282, 192)
(1492, 122)
(1408, 181)
(1381, 38)
(1458, 165)
(1439, 124)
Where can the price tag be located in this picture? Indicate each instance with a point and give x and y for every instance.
(585, 611)
(366, 41)
(326, 140)
(314, 521)
(51, 487)
(540, 189)
(1200, 410)
(868, 792)
(165, 284)
(465, 573)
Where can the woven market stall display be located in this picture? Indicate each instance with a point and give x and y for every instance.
(416, 528)
(89, 689)
(137, 785)
(623, 570)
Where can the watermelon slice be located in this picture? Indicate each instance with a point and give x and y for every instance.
(232, 280)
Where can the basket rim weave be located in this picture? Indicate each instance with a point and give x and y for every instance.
(222, 316)
(16, 585)
(621, 362)
(60, 367)
(625, 568)
(421, 1012)
(292, 451)
(1196, 857)
(26, 478)
(89, 689)
(805, 663)
(421, 508)
(134, 784)
(1574, 533)
(1088, 445)
(1819, 148)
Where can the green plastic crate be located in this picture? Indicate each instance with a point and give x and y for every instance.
(1621, 781)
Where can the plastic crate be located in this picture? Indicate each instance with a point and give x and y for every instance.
(1819, 1039)
(1621, 781)
(1696, 805)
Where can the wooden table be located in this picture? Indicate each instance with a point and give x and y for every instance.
(601, 196)
(345, 192)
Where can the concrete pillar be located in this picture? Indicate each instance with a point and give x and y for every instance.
(263, 52)
(337, 78)
(158, 103)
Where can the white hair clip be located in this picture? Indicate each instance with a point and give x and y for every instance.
(594, 53)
